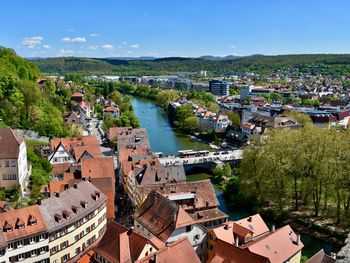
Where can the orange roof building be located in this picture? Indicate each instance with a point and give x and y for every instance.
(120, 244)
(178, 251)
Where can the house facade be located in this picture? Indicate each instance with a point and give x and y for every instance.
(13, 160)
(76, 220)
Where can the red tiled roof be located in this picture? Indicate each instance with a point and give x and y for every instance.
(178, 251)
(9, 143)
(224, 252)
(23, 215)
(254, 223)
(119, 244)
(277, 246)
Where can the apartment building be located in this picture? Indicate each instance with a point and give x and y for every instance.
(76, 220)
(24, 236)
(13, 159)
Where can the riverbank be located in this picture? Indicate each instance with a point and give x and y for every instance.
(165, 139)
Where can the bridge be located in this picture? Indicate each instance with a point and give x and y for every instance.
(200, 157)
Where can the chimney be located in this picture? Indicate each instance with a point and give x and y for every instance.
(273, 228)
(237, 241)
(298, 240)
(57, 194)
(131, 229)
(250, 219)
(38, 201)
(226, 227)
(66, 186)
(75, 185)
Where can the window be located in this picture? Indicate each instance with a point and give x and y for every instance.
(42, 250)
(54, 250)
(10, 246)
(20, 257)
(93, 226)
(7, 164)
(33, 253)
(13, 163)
(41, 237)
(32, 240)
(195, 237)
(76, 238)
(77, 250)
(9, 177)
(20, 243)
(188, 228)
(64, 245)
(65, 258)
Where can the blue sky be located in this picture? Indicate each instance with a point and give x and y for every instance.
(102, 28)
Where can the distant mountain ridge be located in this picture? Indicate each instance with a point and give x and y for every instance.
(214, 64)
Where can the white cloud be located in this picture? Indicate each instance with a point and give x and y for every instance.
(134, 46)
(92, 47)
(125, 43)
(232, 46)
(94, 35)
(107, 46)
(46, 46)
(32, 42)
(66, 52)
(71, 30)
(74, 40)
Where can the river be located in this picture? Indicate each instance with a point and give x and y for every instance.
(165, 139)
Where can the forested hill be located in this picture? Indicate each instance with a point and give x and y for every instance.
(329, 64)
(22, 103)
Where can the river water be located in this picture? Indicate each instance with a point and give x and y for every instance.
(165, 139)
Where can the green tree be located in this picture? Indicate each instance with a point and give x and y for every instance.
(234, 118)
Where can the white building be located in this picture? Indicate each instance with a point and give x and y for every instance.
(13, 160)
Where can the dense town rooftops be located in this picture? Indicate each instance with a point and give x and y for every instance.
(178, 251)
(204, 194)
(61, 210)
(22, 222)
(9, 143)
(129, 138)
(69, 143)
(120, 244)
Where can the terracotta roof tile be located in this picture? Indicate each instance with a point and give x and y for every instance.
(178, 251)
(22, 215)
(9, 143)
(224, 252)
(120, 244)
(277, 246)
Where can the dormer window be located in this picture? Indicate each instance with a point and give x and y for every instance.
(7, 227)
(75, 209)
(93, 196)
(32, 220)
(98, 194)
(58, 218)
(83, 204)
(19, 224)
(65, 214)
